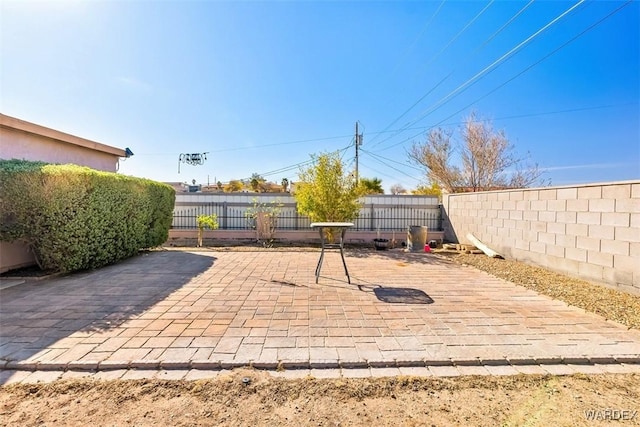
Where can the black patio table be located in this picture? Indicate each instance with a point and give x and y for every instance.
(342, 227)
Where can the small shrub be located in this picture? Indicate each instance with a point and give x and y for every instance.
(263, 217)
(206, 221)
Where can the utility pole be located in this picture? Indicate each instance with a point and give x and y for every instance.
(358, 143)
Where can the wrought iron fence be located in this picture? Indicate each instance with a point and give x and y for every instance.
(372, 217)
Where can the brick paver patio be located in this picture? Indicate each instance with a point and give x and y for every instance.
(219, 310)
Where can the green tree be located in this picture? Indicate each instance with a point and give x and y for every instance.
(487, 159)
(326, 192)
(285, 184)
(233, 186)
(206, 221)
(255, 184)
(256, 181)
(433, 190)
(371, 186)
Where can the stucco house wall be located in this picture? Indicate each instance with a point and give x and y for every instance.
(23, 140)
(27, 141)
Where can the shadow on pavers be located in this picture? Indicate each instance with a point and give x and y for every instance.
(386, 294)
(397, 295)
(402, 296)
(35, 315)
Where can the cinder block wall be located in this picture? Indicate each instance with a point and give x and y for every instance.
(590, 231)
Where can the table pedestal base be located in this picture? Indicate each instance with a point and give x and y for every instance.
(325, 245)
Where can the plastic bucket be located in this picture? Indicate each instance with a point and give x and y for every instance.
(416, 238)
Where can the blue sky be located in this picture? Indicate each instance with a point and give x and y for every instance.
(262, 85)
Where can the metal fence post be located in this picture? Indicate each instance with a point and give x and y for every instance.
(224, 215)
(373, 217)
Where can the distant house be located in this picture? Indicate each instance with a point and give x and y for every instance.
(23, 140)
(213, 188)
(183, 187)
(179, 187)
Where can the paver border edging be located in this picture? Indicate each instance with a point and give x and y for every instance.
(301, 365)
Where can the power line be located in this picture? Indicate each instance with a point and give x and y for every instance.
(424, 29)
(469, 58)
(497, 62)
(383, 174)
(546, 113)
(407, 111)
(392, 167)
(445, 124)
(510, 117)
(279, 143)
(518, 116)
(345, 151)
(433, 58)
(283, 169)
(488, 69)
(571, 40)
(454, 38)
(377, 172)
(524, 71)
(506, 24)
(256, 146)
(404, 55)
(351, 162)
(391, 160)
(294, 166)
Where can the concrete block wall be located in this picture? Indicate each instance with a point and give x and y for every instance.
(590, 231)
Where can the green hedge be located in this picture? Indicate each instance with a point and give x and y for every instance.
(76, 218)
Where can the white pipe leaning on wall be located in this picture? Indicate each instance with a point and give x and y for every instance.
(484, 248)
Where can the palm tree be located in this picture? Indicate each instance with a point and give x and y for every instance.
(371, 185)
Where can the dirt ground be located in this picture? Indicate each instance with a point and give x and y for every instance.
(531, 400)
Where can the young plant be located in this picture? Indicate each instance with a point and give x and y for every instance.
(326, 192)
(263, 217)
(206, 221)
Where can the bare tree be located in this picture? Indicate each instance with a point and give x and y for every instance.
(435, 155)
(397, 189)
(487, 159)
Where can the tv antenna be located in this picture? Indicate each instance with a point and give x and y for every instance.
(194, 159)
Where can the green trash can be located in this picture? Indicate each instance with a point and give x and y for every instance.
(416, 238)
